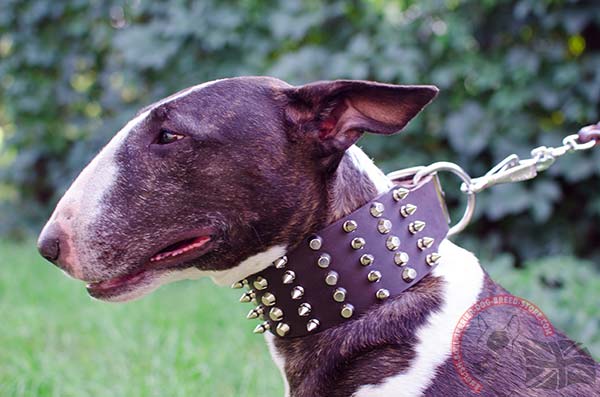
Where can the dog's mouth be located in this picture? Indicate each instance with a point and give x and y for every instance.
(164, 261)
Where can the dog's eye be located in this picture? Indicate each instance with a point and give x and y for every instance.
(166, 136)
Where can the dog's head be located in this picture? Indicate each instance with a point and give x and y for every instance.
(219, 179)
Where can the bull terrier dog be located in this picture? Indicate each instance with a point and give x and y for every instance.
(259, 184)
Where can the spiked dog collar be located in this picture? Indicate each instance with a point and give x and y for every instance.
(373, 254)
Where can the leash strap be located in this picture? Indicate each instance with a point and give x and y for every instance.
(590, 133)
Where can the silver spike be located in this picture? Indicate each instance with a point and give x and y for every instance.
(392, 243)
(297, 292)
(409, 274)
(268, 299)
(401, 258)
(260, 283)
(248, 296)
(425, 243)
(374, 276)
(347, 310)
(332, 278)
(416, 226)
(288, 277)
(339, 295)
(384, 226)
(276, 314)
(358, 243)
(382, 294)
(237, 285)
(255, 313)
(315, 243)
(304, 309)
(324, 260)
(280, 262)
(433, 258)
(349, 226)
(377, 209)
(407, 210)
(367, 259)
(312, 325)
(282, 329)
(400, 194)
(262, 328)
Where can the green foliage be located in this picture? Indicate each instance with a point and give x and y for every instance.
(513, 74)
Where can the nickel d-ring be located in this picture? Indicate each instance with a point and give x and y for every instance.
(444, 166)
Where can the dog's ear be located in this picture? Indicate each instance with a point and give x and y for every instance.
(334, 114)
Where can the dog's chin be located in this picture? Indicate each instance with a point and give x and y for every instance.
(127, 287)
(167, 265)
(140, 284)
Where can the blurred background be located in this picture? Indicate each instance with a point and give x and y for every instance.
(513, 75)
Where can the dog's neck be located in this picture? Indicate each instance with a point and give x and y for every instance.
(439, 300)
(356, 181)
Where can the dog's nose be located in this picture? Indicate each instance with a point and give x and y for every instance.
(49, 248)
(49, 244)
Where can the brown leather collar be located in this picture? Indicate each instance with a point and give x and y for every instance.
(375, 253)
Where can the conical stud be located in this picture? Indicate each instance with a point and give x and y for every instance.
(312, 325)
(304, 309)
(349, 226)
(324, 261)
(367, 259)
(433, 259)
(407, 210)
(416, 226)
(374, 276)
(255, 313)
(297, 292)
(400, 194)
(238, 284)
(339, 295)
(282, 329)
(425, 243)
(260, 283)
(332, 278)
(392, 243)
(276, 314)
(248, 297)
(347, 310)
(382, 294)
(358, 243)
(268, 299)
(315, 243)
(280, 262)
(409, 274)
(377, 209)
(262, 328)
(384, 226)
(288, 277)
(401, 258)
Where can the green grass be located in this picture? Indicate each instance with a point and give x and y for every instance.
(186, 339)
(191, 338)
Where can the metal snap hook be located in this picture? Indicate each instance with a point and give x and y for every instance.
(444, 166)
